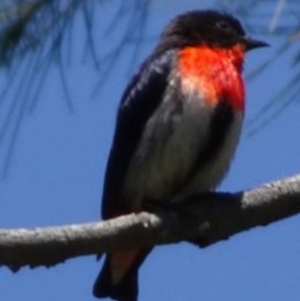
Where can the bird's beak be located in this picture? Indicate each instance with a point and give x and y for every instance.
(251, 43)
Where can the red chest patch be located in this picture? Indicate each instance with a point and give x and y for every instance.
(215, 73)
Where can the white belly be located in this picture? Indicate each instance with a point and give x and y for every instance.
(168, 151)
(211, 175)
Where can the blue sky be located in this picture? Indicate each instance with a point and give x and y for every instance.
(57, 172)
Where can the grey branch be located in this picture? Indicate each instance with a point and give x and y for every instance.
(204, 220)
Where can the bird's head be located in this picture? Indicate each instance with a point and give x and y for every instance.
(206, 27)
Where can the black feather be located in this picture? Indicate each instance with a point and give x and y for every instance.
(140, 100)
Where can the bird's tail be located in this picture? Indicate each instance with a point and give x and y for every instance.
(118, 278)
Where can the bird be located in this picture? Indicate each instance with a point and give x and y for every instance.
(177, 128)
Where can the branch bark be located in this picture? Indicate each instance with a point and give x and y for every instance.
(204, 220)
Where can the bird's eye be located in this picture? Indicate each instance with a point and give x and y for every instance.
(224, 26)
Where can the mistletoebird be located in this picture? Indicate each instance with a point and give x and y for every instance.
(177, 129)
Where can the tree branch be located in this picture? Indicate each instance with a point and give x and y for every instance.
(204, 219)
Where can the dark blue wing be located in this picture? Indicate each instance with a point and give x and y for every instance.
(141, 98)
